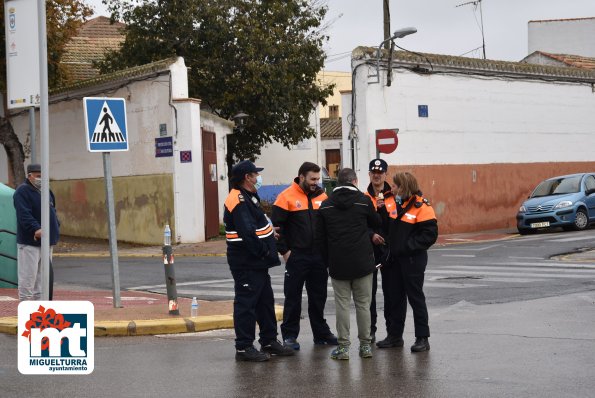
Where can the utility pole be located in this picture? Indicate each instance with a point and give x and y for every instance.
(387, 34)
(477, 3)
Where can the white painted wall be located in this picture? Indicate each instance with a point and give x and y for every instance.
(474, 120)
(281, 164)
(147, 106)
(570, 36)
(188, 177)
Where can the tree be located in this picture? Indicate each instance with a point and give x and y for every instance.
(64, 17)
(256, 56)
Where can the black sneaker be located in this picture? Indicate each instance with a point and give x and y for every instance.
(330, 339)
(276, 348)
(390, 341)
(251, 354)
(421, 344)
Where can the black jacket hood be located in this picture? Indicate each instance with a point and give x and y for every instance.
(344, 196)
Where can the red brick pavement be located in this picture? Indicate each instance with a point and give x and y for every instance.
(135, 305)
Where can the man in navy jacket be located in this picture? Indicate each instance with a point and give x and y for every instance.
(27, 202)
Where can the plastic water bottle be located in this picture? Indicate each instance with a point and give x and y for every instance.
(167, 235)
(194, 308)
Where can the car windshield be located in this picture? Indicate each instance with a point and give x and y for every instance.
(557, 186)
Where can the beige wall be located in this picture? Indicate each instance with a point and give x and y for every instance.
(143, 205)
(342, 81)
(478, 197)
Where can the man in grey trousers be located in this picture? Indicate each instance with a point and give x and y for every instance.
(344, 234)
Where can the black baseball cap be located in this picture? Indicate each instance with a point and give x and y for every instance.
(378, 165)
(34, 168)
(244, 167)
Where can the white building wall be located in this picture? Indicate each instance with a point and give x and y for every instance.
(148, 105)
(188, 177)
(568, 36)
(69, 158)
(475, 120)
(281, 164)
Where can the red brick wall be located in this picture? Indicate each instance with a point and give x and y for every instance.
(489, 202)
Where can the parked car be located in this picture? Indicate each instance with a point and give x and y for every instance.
(565, 201)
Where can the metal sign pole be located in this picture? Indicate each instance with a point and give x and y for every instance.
(33, 134)
(113, 242)
(45, 152)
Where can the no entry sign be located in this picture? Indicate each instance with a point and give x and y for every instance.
(387, 140)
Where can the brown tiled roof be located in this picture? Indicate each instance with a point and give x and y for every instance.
(101, 27)
(124, 75)
(451, 63)
(575, 61)
(330, 129)
(95, 37)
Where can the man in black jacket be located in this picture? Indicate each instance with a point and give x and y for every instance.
(343, 235)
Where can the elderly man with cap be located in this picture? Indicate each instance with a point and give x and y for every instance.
(27, 202)
(251, 251)
(384, 203)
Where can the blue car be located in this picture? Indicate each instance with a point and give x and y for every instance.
(564, 201)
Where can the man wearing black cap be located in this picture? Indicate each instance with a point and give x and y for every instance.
(27, 202)
(384, 202)
(251, 251)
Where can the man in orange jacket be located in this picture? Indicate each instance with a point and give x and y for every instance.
(295, 213)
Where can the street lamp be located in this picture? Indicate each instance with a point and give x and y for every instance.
(398, 34)
(240, 120)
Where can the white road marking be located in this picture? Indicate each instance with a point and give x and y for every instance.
(513, 274)
(536, 269)
(459, 255)
(573, 239)
(470, 249)
(526, 258)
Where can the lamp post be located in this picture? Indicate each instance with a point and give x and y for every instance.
(398, 34)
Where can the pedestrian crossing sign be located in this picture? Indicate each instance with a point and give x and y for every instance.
(105, 124)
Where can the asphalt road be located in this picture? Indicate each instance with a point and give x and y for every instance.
(506, 320)
(491, 272)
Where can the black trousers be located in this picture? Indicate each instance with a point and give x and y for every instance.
(405, 282)
(385, 293)
(253, 302)
(308, 269)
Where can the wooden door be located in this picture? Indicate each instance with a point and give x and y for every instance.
(210, 173)
(333, 161)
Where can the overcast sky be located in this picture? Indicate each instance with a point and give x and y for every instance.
(442, 27)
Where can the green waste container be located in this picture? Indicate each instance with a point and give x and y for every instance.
(8, 239)
(329, 184)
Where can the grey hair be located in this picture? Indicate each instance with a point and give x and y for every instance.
(346, 175)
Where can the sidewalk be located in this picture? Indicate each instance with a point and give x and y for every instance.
(147, 313)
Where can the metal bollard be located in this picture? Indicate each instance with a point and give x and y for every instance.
(170, 275)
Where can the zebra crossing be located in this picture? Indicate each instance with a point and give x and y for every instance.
(450, 276)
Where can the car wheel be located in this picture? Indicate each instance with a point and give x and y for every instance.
(581, 221)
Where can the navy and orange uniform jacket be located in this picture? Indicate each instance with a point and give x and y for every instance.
(415, 231)
(250, 236)
(294, 212)
(390, 207)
